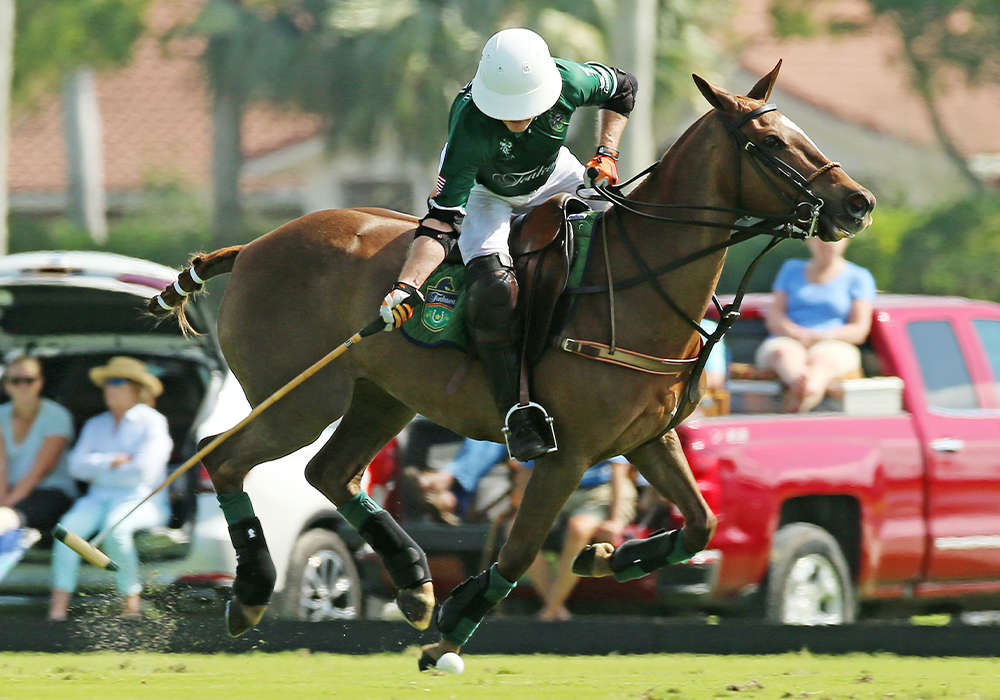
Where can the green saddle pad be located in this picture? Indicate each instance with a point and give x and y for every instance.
(443, 320)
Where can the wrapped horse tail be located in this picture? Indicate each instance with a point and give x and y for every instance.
(191, 280)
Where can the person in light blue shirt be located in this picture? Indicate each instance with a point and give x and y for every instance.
(35, 485)
(820, 312)
(598, 511)
(451, 490)
(123, 454)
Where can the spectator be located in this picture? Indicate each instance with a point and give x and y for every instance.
(821, 312)
(35, 485)
(715, 400)
(123, 453)
(597, 511)
(450, 492)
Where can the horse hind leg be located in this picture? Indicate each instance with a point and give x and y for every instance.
(228, 466)
(373, 418)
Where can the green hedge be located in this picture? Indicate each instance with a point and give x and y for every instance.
(172, 226)
(951, 249)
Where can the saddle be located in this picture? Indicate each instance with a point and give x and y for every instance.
(541, 243)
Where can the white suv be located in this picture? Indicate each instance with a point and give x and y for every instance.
(74, 310)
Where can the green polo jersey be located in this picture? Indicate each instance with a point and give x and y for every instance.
(481, 149)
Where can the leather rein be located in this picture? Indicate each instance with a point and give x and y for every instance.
(800, 223)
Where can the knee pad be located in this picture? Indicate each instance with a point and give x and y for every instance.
(492, 295)
(403, 558)
(255, 573)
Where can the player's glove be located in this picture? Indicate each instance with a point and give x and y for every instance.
(602, 169)
(400, 304)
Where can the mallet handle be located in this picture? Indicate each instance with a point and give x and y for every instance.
(371, 329)
(83, 548)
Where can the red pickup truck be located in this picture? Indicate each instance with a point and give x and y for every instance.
(890, 496)
(886, 498)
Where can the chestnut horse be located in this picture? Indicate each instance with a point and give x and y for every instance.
(301, 289)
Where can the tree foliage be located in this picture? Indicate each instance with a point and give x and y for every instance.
(55, 36)
(938, 36)
(394, 66)
(952, 251)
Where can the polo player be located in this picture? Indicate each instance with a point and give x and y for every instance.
(504, 155)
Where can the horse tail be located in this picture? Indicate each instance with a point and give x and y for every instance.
(191, 280)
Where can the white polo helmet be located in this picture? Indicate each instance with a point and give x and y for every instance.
(517, 78)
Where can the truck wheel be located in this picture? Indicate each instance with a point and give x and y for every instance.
(322, 581)
(808, 581)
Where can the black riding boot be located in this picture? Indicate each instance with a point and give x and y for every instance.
(502, 363)
(497, 330)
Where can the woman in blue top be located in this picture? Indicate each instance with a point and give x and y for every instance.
(820, 313)
(123, 454)
(35, 485)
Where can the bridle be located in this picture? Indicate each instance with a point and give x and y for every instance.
(800, 223)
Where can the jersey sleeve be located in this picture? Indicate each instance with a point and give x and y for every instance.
(461, 158)
(863, 286)
(59, 422)
(587, 84)
(783, 280)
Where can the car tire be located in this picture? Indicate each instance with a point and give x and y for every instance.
(322, 582)
(808, 581)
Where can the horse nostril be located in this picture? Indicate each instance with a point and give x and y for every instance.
(858, 204)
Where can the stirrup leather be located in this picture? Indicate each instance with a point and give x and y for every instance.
(540, 417)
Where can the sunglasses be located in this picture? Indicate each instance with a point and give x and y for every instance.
(21, 380)
(115, 381)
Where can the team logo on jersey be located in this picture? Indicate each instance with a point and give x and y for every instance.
(506, 147)
(439, 305)
(558, 121)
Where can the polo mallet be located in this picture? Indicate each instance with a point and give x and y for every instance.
(89, 550)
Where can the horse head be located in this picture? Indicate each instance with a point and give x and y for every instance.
(781, 169)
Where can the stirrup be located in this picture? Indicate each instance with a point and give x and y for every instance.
(539, 418)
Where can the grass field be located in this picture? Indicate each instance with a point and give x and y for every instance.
(294, 675)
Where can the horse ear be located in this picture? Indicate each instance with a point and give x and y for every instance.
(762, 90)
(717, 97)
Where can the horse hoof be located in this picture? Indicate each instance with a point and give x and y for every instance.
(240, 618)
(426, 661)
(594, 560)
(430, 653)
(417, 604)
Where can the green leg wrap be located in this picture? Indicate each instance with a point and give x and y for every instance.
(235, 506)
(465, 608)
(637, 558)
(403, 558)
(357, 510)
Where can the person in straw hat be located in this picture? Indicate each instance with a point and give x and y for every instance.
(123, 454)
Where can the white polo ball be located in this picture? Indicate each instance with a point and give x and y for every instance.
(450, 663)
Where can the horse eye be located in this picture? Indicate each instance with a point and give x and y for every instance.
(772, 141)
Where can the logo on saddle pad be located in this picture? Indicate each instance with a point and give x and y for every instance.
(439, 304)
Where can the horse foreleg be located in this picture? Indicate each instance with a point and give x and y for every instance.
(664, 465)
(549, 487)
(373, 419)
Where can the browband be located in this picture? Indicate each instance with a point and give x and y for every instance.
(753, 114)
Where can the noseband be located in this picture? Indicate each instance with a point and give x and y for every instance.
(805, 212)
(801, 222)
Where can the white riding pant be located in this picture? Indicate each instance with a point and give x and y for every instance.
(486, 227)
